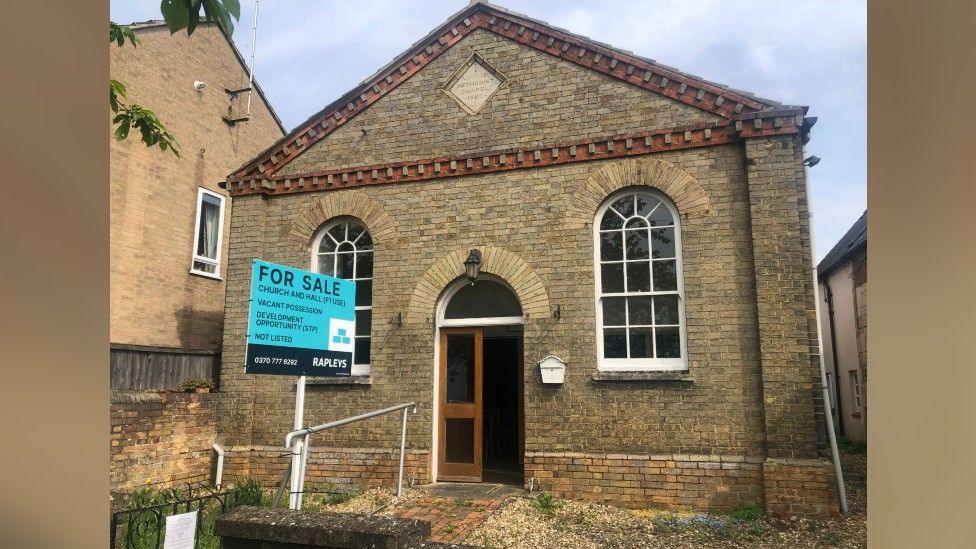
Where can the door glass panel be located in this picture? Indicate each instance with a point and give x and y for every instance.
(460, 368)
(459, 440)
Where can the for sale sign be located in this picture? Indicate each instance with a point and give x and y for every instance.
(299, 322)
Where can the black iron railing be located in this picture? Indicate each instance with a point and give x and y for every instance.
(141, 524)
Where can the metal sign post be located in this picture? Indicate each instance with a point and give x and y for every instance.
(296, 449)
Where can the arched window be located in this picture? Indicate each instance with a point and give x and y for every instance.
(344, 249)
(640, 305)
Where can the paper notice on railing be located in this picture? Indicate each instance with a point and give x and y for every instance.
(181, 531)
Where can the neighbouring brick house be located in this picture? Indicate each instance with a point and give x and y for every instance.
(648, 228)
(168, 244)
(843, 278)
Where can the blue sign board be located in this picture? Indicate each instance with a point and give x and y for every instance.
(299, 322)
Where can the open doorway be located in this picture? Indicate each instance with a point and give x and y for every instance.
(479, 434)
(502, 423)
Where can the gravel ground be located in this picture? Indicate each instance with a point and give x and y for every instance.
(520, 523)
(582, 525)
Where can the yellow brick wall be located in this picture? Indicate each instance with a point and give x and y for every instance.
(155, 301)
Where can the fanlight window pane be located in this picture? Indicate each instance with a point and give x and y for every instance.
(339, 232)
(483, 299)
(625, 206)
(365, 242)
(327, 245)
(646, 204)
(611, 220)
(661, 216)
(354, 232)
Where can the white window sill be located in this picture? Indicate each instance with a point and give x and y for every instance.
(354, 379)
(642, 375)
(205, 274)
(642, 364)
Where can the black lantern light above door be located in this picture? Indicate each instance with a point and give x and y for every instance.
(472, 265)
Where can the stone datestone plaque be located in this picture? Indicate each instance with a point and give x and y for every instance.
(473, 84)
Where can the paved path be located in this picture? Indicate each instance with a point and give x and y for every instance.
(455, 509)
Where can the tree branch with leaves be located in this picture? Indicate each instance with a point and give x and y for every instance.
(179, 15)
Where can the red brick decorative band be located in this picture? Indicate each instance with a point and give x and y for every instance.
(634, 70)
(513, 159)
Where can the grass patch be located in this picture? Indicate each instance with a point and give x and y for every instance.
(849, 446)
(830, 538)
(745, 513)
(458, 502)
(546, 503)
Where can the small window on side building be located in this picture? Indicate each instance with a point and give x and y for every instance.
(208, 234)
(855, 389)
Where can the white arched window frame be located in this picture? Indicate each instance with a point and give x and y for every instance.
(640, 325)
(343, 248)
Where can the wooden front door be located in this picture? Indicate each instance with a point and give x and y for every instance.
(460, 405)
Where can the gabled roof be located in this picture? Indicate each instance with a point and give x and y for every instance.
(727, 103)
(153, 23)
(853, 240)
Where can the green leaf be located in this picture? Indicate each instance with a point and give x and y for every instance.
(122, 131)
(233, 7)
(117, 87)
(118, 33)
(176, 13)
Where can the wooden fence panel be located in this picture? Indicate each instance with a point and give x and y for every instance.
(139, 369)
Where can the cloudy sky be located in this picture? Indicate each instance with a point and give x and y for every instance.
(797, 52)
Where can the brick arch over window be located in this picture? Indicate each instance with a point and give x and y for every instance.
(681, 187)
(357, 204)
(502, 263)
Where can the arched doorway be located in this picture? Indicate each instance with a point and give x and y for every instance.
(478, 434)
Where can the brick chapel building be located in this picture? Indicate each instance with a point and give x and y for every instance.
(646, 227)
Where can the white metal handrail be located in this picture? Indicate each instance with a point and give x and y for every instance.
(299, 442)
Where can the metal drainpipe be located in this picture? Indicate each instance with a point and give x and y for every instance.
(220, 464)
(833, 353)
(831, 436)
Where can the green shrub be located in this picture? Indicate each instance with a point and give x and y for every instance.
(246, 491)
(190, 384)
(745, 513)
(546, 503)
(849, 446)
(336, 497)
(830, 538)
